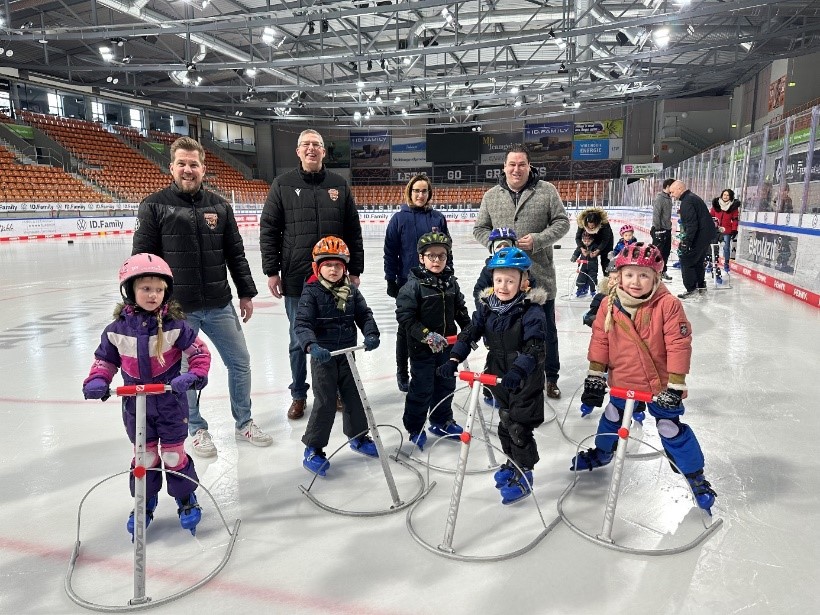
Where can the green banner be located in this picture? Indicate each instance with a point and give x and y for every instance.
(160, 147)
(24, 132)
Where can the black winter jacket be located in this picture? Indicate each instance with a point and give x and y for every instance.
(198, 237)
(301, 208)
(430, 303)
(698, 226)
(515, 338)
(319, 321)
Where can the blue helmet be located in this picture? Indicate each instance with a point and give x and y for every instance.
(503, 233)
(510, 258)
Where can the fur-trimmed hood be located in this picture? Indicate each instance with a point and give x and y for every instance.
(535, 295)
(172, 310)
(589, 210)
(719, 205)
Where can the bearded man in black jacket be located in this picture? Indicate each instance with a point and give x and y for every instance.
(196, 233)
(303, 206)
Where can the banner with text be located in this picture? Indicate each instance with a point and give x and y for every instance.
(598, 140)
(369, 149)
(550, 141)
(494, 147)
(409, 152)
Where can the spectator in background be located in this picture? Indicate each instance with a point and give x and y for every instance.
(661, 230)
(698, 230)
(303, 206)
(594, 220)
(726, 212)
(534, 210)
(415, 218)
(195, 232)
(785, 206)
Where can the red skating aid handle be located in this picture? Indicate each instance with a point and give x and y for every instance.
(452, 339)
(630, 394)
(488, 379)
(138, 389)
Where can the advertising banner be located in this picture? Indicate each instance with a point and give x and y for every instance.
(403, 176)
(454, 174)
(795, 169)
(643, 168)
(550, 141)
(599, 129)
(409, 152)
(370, 149)
(494, 147)
(773, 251)
(590, 149)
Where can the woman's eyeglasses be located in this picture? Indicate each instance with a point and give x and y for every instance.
(419, 191)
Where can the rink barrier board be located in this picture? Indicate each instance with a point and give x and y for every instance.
(35, 229)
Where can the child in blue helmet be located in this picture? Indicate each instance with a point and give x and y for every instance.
(502, 237)
(511, 318)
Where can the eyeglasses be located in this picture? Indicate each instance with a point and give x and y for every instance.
(309, 144)
(419, 191)
(435, 258)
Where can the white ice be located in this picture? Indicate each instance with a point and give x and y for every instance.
(753, 405)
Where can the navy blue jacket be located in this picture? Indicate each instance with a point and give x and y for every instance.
(402, 236)
(319, 321)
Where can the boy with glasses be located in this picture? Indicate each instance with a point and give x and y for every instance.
(415, 218)
(428, 307)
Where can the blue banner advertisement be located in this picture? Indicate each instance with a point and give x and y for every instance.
(370, 149)
(408, 152)
(591, 149)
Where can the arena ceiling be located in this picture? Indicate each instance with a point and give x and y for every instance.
(386, 63)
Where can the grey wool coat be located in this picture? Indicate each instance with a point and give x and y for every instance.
(539, 212)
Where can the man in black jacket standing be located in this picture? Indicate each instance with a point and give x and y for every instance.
(303, 206)
(661, 230)
(196, 233)
(698, 232)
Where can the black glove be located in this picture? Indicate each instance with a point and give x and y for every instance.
(393, 288)
(684, 248)
(513, 380)
(669, 399)
(448, 369)
(594, 391)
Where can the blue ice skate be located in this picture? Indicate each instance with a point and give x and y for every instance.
(364, 446)
(189, 513)
(517, 488)
(676, 265)
(419, 439)
(639, 416)
(448, 429)
(315, 461)
(586, 409)
(704, 494)
(150, 506)
(582, 291)
(504, 474)
(492, 402)
(591, 459)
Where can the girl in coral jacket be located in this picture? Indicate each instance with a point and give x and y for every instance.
(726, 212)
(642, 340)
(146, 341)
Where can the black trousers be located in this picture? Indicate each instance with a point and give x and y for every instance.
(693, 269)
(663, 239)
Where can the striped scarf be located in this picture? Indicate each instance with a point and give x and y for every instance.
(340, 291)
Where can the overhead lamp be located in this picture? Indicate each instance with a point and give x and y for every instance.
(552, 33)
(416, 102)
(357, 116)
(573, 104)
(593, 77)
(190, 66)
(661, 37)
(614, 74)
(238, 113)
(126, 59)
(311, 27)
(383, 63)
(621, 38)
(352, 65)
(111, 79)
(251, 90)
(378, 100)
(690, 29)
(397, 99)
(518, 102)
(250, 72)
(412, 89)
(562, 69)
(514, 89)
(791, 84)
(404, 111)
(370, 65)
(377, 92)
(406, 61)
(117, 41)
(325, 25)
(360, 85)
(268, 36)
(746, 46)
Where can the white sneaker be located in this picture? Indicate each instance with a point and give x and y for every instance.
(203, 445)
(254, 435)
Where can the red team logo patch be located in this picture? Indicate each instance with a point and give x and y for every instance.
(211, 220)
(333, 194)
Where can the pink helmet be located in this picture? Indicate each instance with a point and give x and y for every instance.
(625, 229)
(140, 265)
(640, 254)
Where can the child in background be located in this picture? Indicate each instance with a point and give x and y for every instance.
(511, 318)
(329, 311)
(594, 220)
(428, 307)
(587, 279)
(627, 233)
(146, 341)
(415, 218)
(642, 340)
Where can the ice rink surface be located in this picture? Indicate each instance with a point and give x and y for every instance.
(753, 404)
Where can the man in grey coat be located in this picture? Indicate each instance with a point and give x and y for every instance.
(533, 208)
(661, 230)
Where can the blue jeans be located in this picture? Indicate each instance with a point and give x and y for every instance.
(298, 360)
(224, 331)
(727, 250)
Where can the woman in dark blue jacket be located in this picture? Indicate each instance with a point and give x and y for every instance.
(415, 218)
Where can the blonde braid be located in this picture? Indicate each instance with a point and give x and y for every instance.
(612, 293)
(160, 356)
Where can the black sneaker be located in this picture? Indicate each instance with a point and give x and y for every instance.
(689, 294)
(666, 277)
